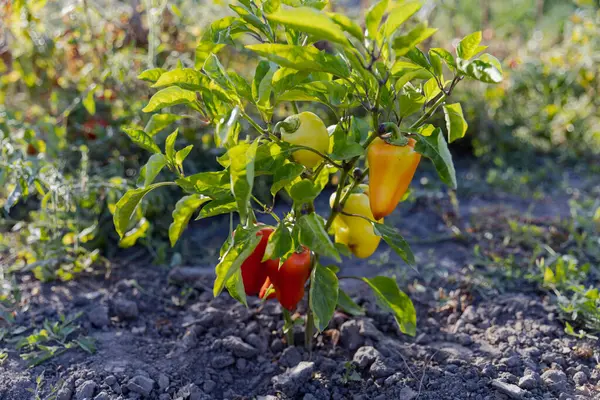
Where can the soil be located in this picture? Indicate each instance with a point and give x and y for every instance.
(160, 334)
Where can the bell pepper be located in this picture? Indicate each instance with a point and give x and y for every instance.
(391, 170)
(306, 129)
(254, 271)
(356, 232)
(289, 279)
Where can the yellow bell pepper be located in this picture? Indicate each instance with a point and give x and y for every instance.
(391, 169)
(306, 129)
(356, 232)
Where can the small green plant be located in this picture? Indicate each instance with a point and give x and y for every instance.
(53, 339)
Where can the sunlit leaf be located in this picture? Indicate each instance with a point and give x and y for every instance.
(182, 213)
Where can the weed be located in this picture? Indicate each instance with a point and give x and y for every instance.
(53, 339)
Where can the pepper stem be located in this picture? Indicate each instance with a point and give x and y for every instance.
(288, 328)
(289, 125)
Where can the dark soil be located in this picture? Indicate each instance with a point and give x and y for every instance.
(480, 335)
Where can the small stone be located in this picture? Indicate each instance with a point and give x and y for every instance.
(86, 390)
(365, 356)
(580, 378)
(110, 380)
(222, 361)
(257, 341)
(510, 390)
(290, 381)
(290, 357)
(210, 317)
(98, 316)
(238, 347)
(125, 309)
(164, 396)
(141, 384)
(555, 380)
(469, 315)
(393, 379)
(101, 396)
(528, 382)
(408, 394)
(489, 370)
(350, 335)
(276, 346)
(209, 386)
(379, 369)
(163, 381)
(64, 394)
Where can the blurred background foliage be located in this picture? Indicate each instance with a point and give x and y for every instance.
(68, 83)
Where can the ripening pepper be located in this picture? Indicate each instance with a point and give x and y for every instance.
(289, 279)
(391, 170)
(264, 288)
(254, 271)
(306, 129)
(355, 232)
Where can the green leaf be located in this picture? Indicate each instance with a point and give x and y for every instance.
(182, 154)
(285, 175)
(417, 56)
(435, 148)
(323, 295)
(280, 244)
(347, 25)
(242, 175)
(250, 18)
(444, 55)
(203, 50)
(89, 103)
(213, 184)
(243, 244)
(227, 129)
(150, 171)
(469, 46)
(304, 192)
(151, 75)
(393, 238)
(348, 305)
(490, 59)
(182, 213)
(455, 121)
(215, 70)
(391, 298)
(302, 58)
(373, 18)
(480, 70)
(170, 146)
(217, 207)
(235, 287)
(131, 237)
(398, 16)
(410, 102)
(344, 146)
(314, 236)
(158, 122)
(127, 204)
(403, 44)
(141, 139)
(185, 78)
(270, 6)
(169, 97)
(242, 88)
(311, 21)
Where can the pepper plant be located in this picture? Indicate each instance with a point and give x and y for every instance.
(382, 91)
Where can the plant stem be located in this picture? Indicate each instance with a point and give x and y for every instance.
(289, 324)
(338, 197)
(295, 107)
(325, 156)
(421, 121)
(253, 123)
(309, 326)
